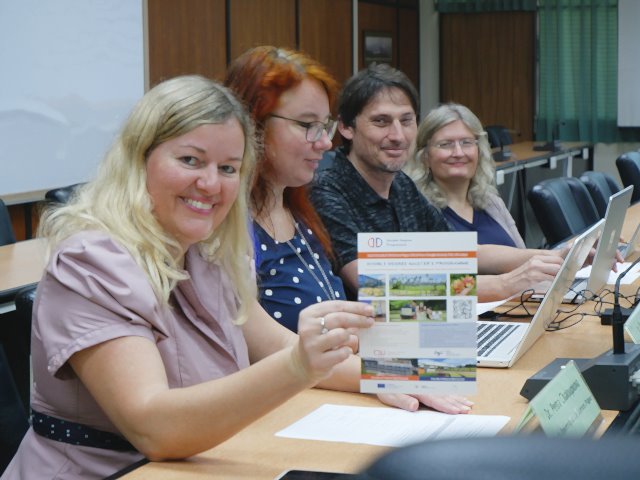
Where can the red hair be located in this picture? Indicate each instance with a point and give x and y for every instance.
(259, 77)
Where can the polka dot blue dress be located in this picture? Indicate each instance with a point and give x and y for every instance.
(286, 284)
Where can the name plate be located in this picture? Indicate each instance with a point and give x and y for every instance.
(632, 326)
(565, 407)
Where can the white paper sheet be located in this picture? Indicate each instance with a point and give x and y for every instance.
(389, 426)
(488, 306)
(628, 279)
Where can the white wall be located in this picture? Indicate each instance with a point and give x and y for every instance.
(628, 63)
(71, 71)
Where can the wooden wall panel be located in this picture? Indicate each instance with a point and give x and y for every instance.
(487, 64)
(409, 44)
(376, 18)
(401, 20)
(325, 34)
(19, 214)
(186, 37)
(261, 22)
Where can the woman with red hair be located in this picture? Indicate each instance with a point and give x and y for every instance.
(289, 96)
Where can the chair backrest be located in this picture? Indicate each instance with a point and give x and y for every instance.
(62, 194)
(530, 457)
(563, 208)
(15, 375)
(498, 136)
(18, 348)
(601, 186)
(13, 417)
(6, 229)
(629, 169)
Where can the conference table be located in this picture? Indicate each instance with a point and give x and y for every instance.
(21, 264)
(523, 155)
(525, 167)
(256, 453)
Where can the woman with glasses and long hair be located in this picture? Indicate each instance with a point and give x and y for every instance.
(289, 95)
(454, 169)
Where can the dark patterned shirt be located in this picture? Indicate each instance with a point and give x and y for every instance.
(348, 205)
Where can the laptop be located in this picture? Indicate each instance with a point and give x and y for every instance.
(632, 247)
(501, 344)
(606, 249)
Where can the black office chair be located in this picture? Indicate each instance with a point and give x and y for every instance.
(498, 136)
(15, 374)
(13, 417)
(61, 195)
(532, 457)
(19, 352)
(601, 186)
(6, 229)
(629, 169)
(563, 208)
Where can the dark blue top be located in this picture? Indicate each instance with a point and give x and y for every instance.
(489, 231)
(286, 285)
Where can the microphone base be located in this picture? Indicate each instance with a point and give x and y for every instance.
(608, 377)
(606, 316)
(502, 155)
(553, 146)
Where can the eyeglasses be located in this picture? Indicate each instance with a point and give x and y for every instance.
(314, 129)
(465, 144)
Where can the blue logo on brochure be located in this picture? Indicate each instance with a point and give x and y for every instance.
(381, 385)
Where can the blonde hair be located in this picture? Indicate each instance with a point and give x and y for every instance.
(117, 200)
(482, 184)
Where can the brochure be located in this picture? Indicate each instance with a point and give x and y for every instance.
(423, 287)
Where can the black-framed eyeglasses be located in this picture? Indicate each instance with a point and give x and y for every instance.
(313, 129)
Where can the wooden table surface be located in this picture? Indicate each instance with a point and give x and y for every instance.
(21, 264)
(256, 453)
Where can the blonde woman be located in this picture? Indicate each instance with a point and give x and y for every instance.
(455, 171)
(148, 340)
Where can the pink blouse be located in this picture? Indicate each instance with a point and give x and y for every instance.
(93, 291)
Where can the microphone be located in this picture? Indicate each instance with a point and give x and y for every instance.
(617, 317)
(554, 144)
(609, 375)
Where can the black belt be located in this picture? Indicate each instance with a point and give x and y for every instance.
(77, 434)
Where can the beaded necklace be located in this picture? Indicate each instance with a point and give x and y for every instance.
(326, 286)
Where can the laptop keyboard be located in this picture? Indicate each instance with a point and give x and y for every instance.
(622, 248)
(578, 285)
(490, 336)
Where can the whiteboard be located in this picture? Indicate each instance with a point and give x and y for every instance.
(628, 63)
(71, 70)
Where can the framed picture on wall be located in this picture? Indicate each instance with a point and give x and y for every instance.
(378, 47)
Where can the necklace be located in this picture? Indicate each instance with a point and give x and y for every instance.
(326, 286)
